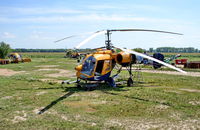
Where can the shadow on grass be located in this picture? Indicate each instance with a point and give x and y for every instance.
(101, 87)
(72, 90)
(55, 102)
(137, 98)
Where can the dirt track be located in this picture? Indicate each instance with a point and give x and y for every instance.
(8, 72)
(194, 74)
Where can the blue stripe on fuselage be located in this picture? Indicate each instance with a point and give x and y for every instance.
(97, 78)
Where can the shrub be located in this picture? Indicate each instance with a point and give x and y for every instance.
(4, 50)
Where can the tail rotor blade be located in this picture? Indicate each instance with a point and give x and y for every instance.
(153, 59)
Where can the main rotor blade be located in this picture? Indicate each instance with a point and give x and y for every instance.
(82, 34)
(144, 30)
(66, 38)
(153, 59)
(90, 38)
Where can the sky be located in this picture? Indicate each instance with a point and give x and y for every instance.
(38, 23)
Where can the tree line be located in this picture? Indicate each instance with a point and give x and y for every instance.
(48, 50)
(175, 50)
(5, 49)
(159, 49)
(38, 50)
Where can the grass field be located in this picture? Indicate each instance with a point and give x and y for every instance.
(33, 98)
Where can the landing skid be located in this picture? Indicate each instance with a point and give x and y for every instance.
(91, 85)
(88, 85)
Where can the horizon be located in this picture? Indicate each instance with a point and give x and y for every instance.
(93, 48)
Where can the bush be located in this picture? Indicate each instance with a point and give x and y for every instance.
(4, 50)
(140, 50)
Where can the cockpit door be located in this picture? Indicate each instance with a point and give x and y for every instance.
(88, 66)
(107, 67)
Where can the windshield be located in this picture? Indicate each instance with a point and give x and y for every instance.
(88, 66)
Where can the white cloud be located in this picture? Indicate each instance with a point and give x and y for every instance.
(36, 11)
(101, 7)
(39, 36)
(126, 7)
(7, 35)
(81, 18)
(146, 7)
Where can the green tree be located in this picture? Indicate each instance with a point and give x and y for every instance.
(150, 49)
(4, 50)
(140, 50)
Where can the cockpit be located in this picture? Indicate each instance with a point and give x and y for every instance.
(88, 66)
(96, 67)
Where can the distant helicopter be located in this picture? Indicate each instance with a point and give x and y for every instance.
(72, 54)
(97, 66)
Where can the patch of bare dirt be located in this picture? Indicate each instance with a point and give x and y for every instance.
(152, 86)
(41, 93)
(80, 104)
(161, 107)
(152, 124)
(47, 66)
(75, 95)
(7, 97)
(175, 115)
(99, 102)
(68, 117)
(61, 72)
(86, 94)
(37, 110)
(174, 91)
(89, 94)
(194, 102)
(190, 90)
(51, 80)
(90, 110)
(21, 117)
(46, 69)
(76, 104)
(193, 74)
(52, 112)
(8, 72)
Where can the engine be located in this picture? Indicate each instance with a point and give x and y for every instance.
(160, 57)
(125, 59)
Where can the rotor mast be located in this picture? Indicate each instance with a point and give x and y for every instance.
(108, 40)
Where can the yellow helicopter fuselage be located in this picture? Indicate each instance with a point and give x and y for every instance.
(98, 65)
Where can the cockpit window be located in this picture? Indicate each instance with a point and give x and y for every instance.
(88, 66)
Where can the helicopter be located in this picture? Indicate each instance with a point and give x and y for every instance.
(72, 54)
(98, 66)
